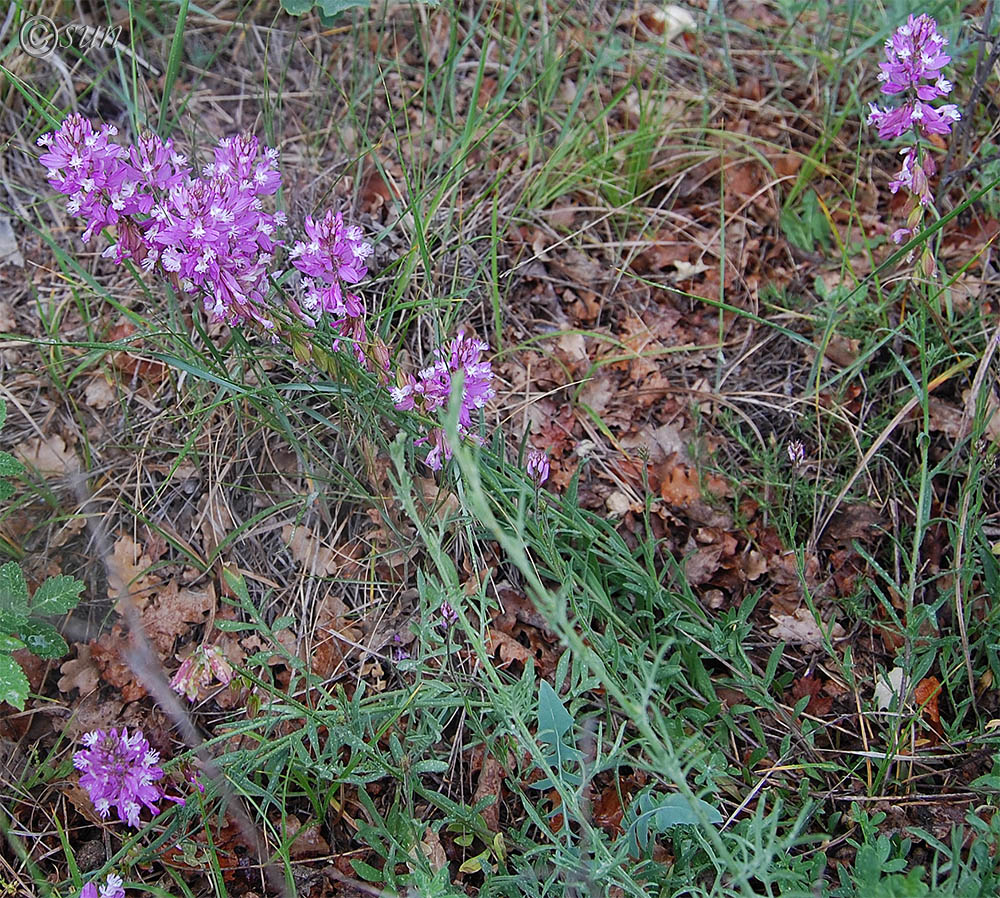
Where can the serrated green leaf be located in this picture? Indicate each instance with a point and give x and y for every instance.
(9, 466)
(10, 643)
(11, 621)
(14, 684)
(57, 595)
(6, 490)
(42, 639)
(13, 589)
(3, 412)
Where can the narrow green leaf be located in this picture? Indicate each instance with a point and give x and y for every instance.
(173, 61)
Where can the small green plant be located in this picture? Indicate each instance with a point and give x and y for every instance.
(22, 616)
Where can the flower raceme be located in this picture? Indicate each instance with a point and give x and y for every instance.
(430, 390)
(914, 59)
(536, 466)
(120, 771)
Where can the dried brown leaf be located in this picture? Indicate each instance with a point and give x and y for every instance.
(80, 672)
(800, 628)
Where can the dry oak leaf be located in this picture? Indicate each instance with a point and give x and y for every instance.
(926, 696)
(491, 777)
(48, 455)
(509, 648)
(80, 672)
(173, 611)
(801, 628)
(819, 705)
(432, 849)
(309, 551)
(108, 653)
(99, 394)
(307, 841)
(701, 565)
(126, 569)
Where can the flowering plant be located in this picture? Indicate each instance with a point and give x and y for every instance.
(212, 237)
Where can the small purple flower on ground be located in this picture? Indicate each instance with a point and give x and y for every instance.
(120, 771)
(399, 653)
(449, 617)
(112, 888)
(796, 453)
(537, 466)
(199, 669)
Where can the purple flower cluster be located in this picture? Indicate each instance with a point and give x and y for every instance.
(914, 59)
(120, 771)
(112, 888)
(210, 235)
(430, 390)
(333, 261)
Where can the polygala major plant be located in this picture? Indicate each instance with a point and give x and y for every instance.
(212, 238)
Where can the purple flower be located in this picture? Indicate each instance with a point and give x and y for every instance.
(210, 235)
(901, 235)
(914, 54)
(120, 771)
(399, 652)
(430, 390)
(796, 453)
(112, 888)
(537, 466)
(335, 252)
(449, 617)
(87, 168)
